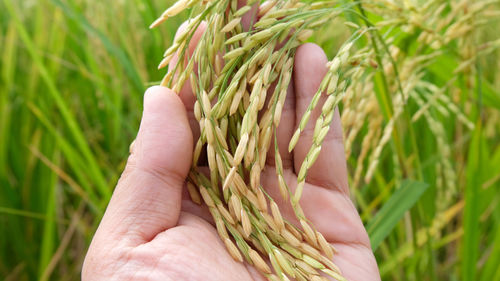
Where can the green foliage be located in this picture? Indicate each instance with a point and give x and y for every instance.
(393, 210)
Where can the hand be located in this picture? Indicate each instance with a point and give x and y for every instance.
(152, 231)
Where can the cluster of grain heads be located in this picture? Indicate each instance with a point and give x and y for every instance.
(375, 104)
(240, 76)
(240, 79)
(438, 26)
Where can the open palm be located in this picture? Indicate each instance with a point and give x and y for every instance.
(152, 231)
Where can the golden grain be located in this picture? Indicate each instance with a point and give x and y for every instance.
(233, 250)
(245, 222)
(193, 193)
(277, 215)
(259, 262)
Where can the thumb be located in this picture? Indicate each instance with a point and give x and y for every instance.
(147, 199)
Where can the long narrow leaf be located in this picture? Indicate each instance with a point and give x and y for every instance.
(393, 210)
(470, 245)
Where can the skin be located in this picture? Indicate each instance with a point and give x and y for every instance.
(152, 231)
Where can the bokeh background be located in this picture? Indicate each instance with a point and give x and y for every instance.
(72, 76)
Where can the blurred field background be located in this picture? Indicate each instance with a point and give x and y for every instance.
(72, 76)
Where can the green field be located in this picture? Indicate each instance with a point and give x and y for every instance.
(424, 164)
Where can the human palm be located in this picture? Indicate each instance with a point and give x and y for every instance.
(152, 231)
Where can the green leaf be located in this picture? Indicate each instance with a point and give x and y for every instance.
(118, 52)
(62, 104)
(393, 210)
(470, 246)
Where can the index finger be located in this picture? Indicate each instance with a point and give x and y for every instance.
(186, 93)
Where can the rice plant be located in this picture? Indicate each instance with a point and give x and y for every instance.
(416, 83)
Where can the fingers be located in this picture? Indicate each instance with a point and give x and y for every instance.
(186, 93)
(329, 169)
(357, 262)
(332, 213)
(250, 17)
(147, 199)
(285, 131)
